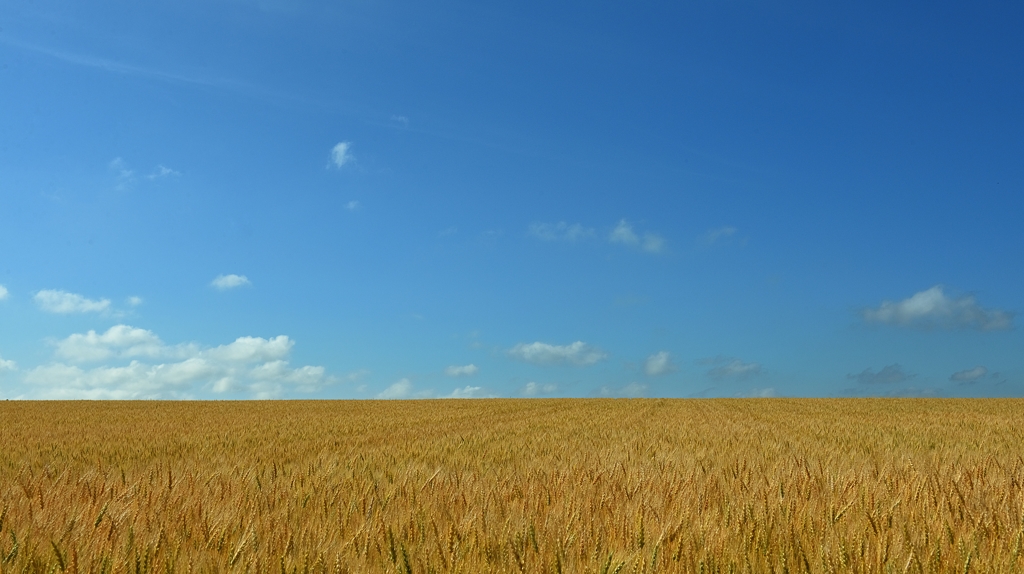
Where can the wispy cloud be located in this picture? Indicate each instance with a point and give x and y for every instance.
(969, 375)
(721, 234)
(253, 366)
(653, 243)
(469, 392)
(623, 234)
(352, 205)
(933, 309)
(163, 171)
(64, 303)
(4, 293)
(225, 282)
(134, 301)
(560, 231)
(125, 175)
(730, 368)
(890, 374)
(115, 67)
(400, 120)
(659, 363)
(760, 393)
(461, 371)
(341, 154)
(578, 353)
(533, 389)
(632, 390)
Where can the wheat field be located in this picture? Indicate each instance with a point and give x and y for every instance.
(604, 486)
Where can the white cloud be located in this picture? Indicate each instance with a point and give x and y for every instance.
(252, 350)
(623, 233)
(119, 341)
(250, 365)
(970, 375)
(162, 171)
(468, 392)
(659, 363)
(400, 390)
(461, 371)
(352, 205)
(653, 243)
(715, 235)
(401, 120)
(3, 292)
(632, 390)
(560, 231)
(125, 175)
(135, 301)
(341, 154)
(578, 353)
(225, 282)
(533, 389)
(56, 301)
(7, 365)
(732, 368)
(932, 309)
(765, 393)
(889, 374)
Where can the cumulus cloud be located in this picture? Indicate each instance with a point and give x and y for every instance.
(121, 341)
(252, 350)
(890, 374)
(933, 309)
(659, 363)
(969, 375)
(731, 368)
(560, 231)
(461, 371)
(3, 292)
(578, 353)
(533, 389)
(341, 154)
(623, 233)
(225, 282)
(253, 366)
(62, 302)
(399, 390)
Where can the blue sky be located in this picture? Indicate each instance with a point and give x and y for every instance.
(298, 199)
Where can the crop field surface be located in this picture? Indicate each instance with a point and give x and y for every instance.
(603, 486)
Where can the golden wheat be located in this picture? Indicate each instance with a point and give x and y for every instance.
(513, 486)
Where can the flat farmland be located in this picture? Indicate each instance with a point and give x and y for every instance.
(762, 485)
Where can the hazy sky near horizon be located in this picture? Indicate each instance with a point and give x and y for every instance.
(303, 199)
